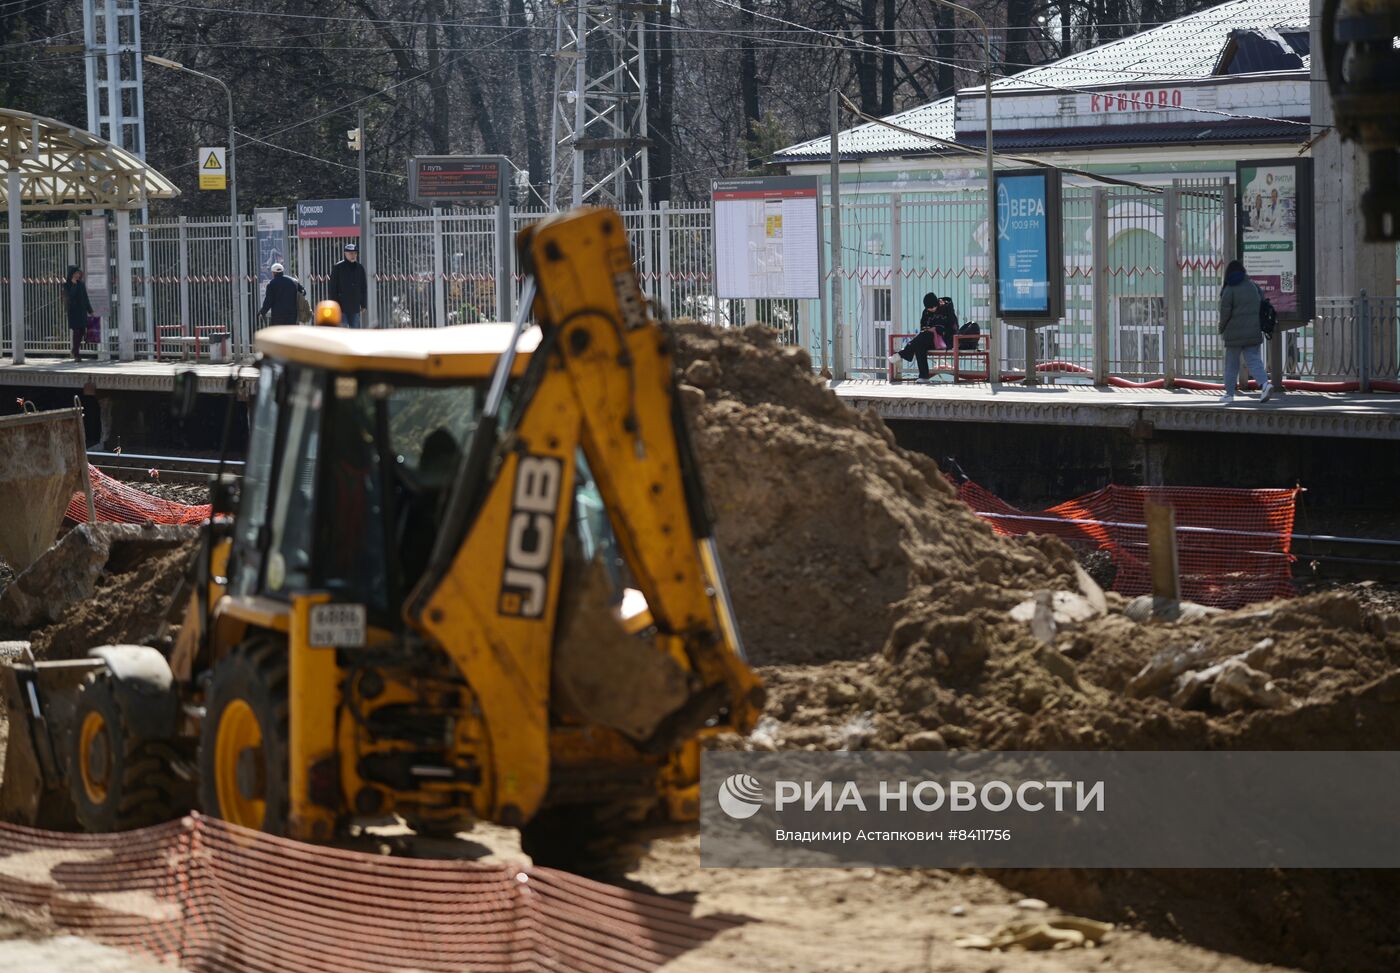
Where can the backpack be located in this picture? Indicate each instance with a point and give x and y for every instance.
(1268, 317)
(303, 305)
(969, 341)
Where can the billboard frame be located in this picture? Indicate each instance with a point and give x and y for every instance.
(1054, 310)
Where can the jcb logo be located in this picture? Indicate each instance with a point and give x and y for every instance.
(530, 540)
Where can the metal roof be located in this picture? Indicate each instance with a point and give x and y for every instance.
(1180, 50)
(458, 351)
(1208, 132)
(69, 168)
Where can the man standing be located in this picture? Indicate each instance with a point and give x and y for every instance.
(280, 300)
(349, 286)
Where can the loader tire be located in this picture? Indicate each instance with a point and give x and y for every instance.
(243, 742)
(579, 838)
(118, 779)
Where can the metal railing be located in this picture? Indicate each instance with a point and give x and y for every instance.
(1142, 279)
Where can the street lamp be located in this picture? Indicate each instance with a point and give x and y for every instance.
(235, 227)
(992, 365)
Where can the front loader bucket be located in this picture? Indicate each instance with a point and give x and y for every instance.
(43, 461)
(38, 703)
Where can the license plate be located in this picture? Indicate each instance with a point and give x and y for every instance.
(337, 626)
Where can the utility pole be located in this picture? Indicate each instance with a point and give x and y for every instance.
(837, 351)
(356, 137)
(364, 196)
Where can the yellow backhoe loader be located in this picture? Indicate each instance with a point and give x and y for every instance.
(471, 576)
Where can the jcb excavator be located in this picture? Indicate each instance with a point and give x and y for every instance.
(471, 576)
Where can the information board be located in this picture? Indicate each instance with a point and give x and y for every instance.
(323, 218)
(96, 264)
(1027, 246)
(1275, 245)
(767, 233)
(270, 225)
(457, 179)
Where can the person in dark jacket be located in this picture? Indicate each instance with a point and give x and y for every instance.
(349, 286)
(75, 300)
(945, 321)
(927, 339)
(280, 302)
(1240, 299)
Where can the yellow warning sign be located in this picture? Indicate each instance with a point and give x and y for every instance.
(213, 171)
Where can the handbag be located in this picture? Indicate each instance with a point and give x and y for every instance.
(303, 308)
(94, 330)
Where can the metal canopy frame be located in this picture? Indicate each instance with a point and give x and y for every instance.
(66, 168)
(50, 165)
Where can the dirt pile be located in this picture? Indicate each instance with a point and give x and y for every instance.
(107, 584)
(825, 525)
(887, 614)
(884, 615)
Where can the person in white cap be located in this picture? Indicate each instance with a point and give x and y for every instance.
(349, 286)
(280, 302)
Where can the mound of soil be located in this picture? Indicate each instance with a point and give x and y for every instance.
(129, 606)
(824, 524)
(883, 614)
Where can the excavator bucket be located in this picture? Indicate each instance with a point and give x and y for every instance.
(43, 461)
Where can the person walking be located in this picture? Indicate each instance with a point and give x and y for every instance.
(1240, 299)
(349, 286)
(280, 302)
(928, 338)
(75, 300)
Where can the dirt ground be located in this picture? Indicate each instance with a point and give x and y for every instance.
(883, 614)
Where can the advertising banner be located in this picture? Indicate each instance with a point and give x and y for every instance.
(1030, 271)
(270, 226)
(96, 265)
(767, 237)
(326, 218)
(1275, 232)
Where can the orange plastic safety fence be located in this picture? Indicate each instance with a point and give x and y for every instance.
(119, 503)
(1234, 547)
(214, 898)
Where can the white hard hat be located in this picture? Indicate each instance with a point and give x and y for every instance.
(276, 268)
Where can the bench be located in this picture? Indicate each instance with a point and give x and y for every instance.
(209, 341)
(954, 361)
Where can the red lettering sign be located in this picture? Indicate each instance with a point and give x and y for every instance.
(1136, 100)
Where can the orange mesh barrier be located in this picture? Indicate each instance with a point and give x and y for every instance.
(1234, 547)
(119, 503)
(215, 898)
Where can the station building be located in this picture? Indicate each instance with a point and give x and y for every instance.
(1174, 106)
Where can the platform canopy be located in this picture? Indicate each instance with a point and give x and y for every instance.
(65, 167)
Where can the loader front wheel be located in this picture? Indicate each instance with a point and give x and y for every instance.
(243, 743)
(118, 779)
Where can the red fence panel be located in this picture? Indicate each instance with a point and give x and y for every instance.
(1234, 547)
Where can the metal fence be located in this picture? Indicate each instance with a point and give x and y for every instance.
(1142, 275)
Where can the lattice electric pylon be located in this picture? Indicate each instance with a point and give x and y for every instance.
(598, 132)
(116, 107)
(116, 111)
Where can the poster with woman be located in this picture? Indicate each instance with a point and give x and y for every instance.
(1274, 230)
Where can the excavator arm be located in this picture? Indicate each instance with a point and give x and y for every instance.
(600, 386)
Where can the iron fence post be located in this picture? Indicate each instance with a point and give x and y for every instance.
(439, 276)
(663, 272)
(1099, 263)
(183, 243)
(1171, 283)
(896, 272)
(1363, 341)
